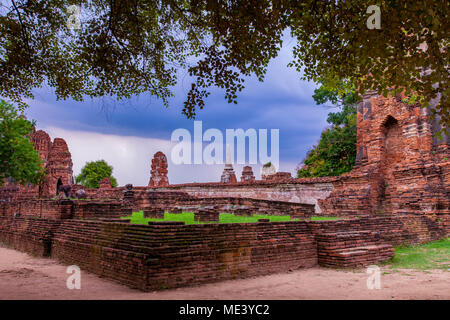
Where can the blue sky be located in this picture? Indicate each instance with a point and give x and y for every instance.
(127, 133)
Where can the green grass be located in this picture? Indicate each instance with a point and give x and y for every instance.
(324, 218)
(188, 218)
(432, 255)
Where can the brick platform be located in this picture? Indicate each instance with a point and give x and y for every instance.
(352, 249)
(207, 215)
(171, 254)
(168, 255)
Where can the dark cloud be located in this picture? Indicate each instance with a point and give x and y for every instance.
(282, 102)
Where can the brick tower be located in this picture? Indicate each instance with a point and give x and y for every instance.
(401, 165)
(159, 171)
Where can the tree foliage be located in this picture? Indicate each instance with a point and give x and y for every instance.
(19, 161)
(129, 47)
(335, 153)
(93, 172)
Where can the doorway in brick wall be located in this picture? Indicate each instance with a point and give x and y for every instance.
(392, 155)
(58, 184)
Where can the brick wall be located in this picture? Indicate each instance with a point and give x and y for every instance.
(166, 255)
(401, 167)
(169, 255)
(396, 230)
(65, 209)
(82, 209)
(30, 235)
(352, 249)
(38, 208)
(224, 204)
(172, 255)
(305, 190)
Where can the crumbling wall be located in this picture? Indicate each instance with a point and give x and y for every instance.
(65, 209)
(31, 235)
(169, 255)
(400, 166)
(306, 191)
(395, 230)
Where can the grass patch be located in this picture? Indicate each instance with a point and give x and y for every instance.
(188, 218)
(432, 255)
(324, 218)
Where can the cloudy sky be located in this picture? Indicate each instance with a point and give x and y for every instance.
(127, 133)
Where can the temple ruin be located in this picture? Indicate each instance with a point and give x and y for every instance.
(401, 166)
(158, 171)
(56, 160)
(397, 193)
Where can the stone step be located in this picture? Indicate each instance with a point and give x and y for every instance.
(352, 249)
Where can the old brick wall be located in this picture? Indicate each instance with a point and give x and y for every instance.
(65, 209)
(171, 201)
(352, 249)
(38, 208)
(396, 230)
(172, 255)
(401, 167)
(257, 206)
(166, 255)
(370, 240)
(31, 235)
(82, 209)
(307, 191)
(169, 255)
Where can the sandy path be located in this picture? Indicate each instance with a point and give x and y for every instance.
(25, 277)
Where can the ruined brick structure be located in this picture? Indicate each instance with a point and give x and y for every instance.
(207, 214)
(267, 170)
(159, 171)
(228, 175)
(302, 191)
(171, 254)
(57, 161)
(401, 167)
(247, 174)
(278, 176)
(398, 194)
(105, 183)
(42, 143)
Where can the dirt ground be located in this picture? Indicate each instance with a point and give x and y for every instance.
(25, 277)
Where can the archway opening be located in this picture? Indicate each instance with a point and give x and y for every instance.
(58, 184)
(392, 156)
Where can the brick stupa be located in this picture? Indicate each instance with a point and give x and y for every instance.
(57, 161)
(159, 171)
(228, 175)
(247, 174)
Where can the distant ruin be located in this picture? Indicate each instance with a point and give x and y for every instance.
(247, 174)
(57, 161)
(159, 171)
